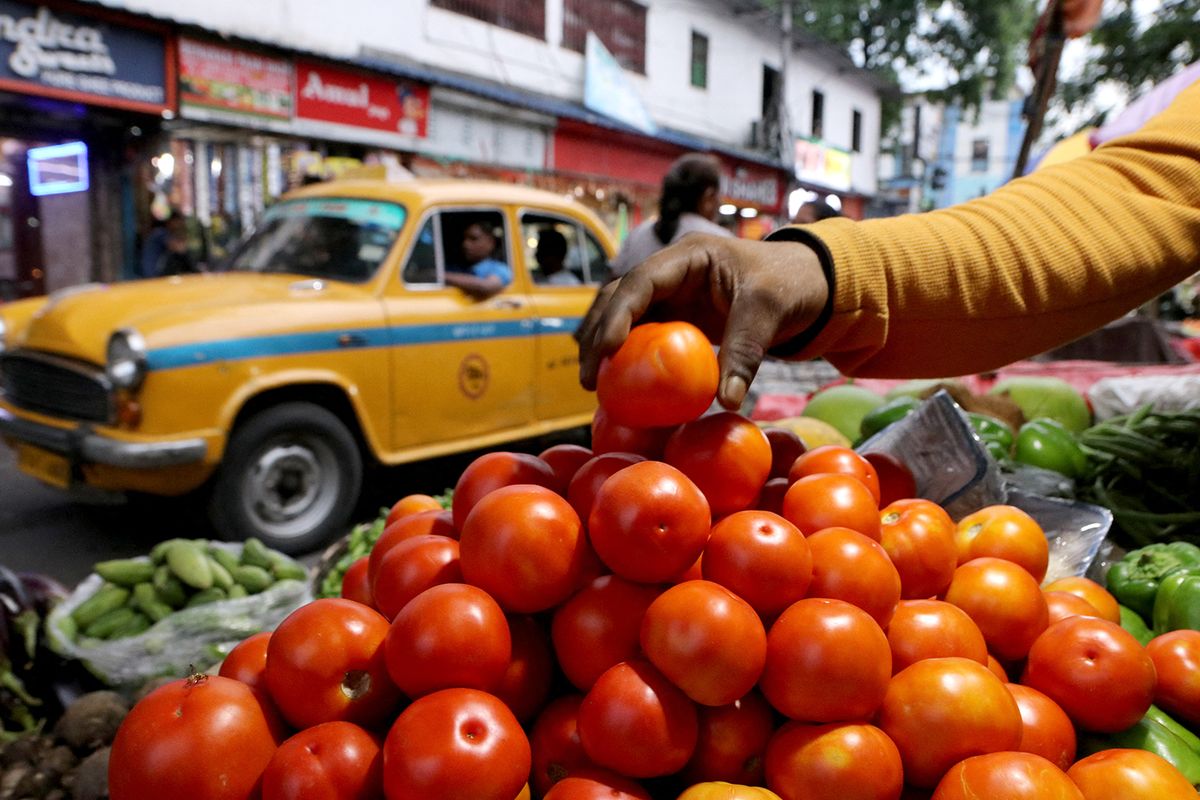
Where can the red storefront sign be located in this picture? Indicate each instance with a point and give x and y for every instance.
(751, 185)
(328, 94)
(213, 76)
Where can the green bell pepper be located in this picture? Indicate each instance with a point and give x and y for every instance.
(1177, 604)
(1157, 733)
(996, 436)
(1134, 580)
(892, 411)
(1048, 444)
(1133, 622)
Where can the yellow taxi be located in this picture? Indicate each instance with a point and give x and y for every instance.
(335, 336)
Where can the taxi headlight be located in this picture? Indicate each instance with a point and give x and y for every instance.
(126, 366)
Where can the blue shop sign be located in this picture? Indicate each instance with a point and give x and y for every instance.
(83, 59)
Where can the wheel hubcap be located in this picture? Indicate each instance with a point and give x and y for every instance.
(291, 487)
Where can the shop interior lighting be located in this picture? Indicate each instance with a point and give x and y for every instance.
(5, 180)
(58, 169)
(834, 202)
(727, 210)
(748, 213)
(166, 166)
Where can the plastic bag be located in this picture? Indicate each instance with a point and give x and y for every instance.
(952, 468)
(1112, 397)
(188, 639)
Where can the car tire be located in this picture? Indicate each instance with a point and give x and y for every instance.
(291, 477)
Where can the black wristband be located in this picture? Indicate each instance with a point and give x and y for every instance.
(804, 338)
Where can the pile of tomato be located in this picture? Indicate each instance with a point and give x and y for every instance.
(695, 608)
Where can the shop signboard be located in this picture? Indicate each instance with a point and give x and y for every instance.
(83, 59)
(332, 95)
(750, 186)
(216, 81)
(818, 163)
(608, 91)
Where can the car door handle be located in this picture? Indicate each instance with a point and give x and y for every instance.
(508, 302)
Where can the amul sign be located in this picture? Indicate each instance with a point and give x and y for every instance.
(83, 59)
(344, 97)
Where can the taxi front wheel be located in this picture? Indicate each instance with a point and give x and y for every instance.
(291, 476)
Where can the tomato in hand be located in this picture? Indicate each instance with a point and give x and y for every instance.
(827, 661)
(732, 742)
(1004, 601)
(524, 545)
(1081, 659)
(831, 501)
(849, 566)
(333, 760)
(411, 504)
(1007, 532)
(832, 458)
(1046, 730)
(918, 536)
(942, 710)
(1089, 590)
(664, 373)
(922, 629)
(786, 447)
(492, 471)
(204, 736)
(636, 722)
(600, 627)
(554, 742)
(565, 460)
(455, 744)
(706, 640)
(610, 437)
(356, 584)
(1006, 776)
(649, 522)
(833, 762)
(760, 557)
(411, 567)
(526, 683)
(1176, 657)
(345, 678)
(449, 636)
(726, 455)
(1121, 774)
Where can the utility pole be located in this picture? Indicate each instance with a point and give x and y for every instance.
(787, 154)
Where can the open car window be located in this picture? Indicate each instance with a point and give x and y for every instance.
(332, 238)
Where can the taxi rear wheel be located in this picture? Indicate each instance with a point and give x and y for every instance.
(291, 476)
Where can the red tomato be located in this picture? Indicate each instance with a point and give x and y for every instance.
(411, 567)
(525, 547)
(827, 661)
(1006, 776)
(649, 522)
(609, 437)
(425, 523)
(1060, 605)
(942, 710)
(1089, 590)
(922, 629)
(1046, 730)
(456, 744)
(832, 458)
(330, 761)
(204, 737)
(786, 447)
(247, 662)
(1176, 657)
(693, 573)
(565, 460)
(526, 683)
(411, 504)
(449, 636)
(849, 566)
(707, 641)
(896, 481)
(732, 742)
(600, 627)
(1006, 532)
(492, 471)
(581, 494)
(597, 784)
(345, 678)
(997, 668)
(356, 584)
(1004, 601)
(1081, 659)
(760, 557)
(1129, 775)
(554, 741)
(833, 762)
(771, 496)
(831, 501)
(664, 373)
(636, 722)
(919, 539)
(726, 455)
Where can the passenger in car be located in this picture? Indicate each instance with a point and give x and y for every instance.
(551, 255)
(483, 275)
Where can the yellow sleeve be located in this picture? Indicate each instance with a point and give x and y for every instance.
(1039, 262)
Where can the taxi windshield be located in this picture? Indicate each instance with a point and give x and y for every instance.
(334, 238)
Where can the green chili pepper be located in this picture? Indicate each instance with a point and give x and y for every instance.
(1157, 733)
(1177, 604)
(893, 411)
(1134, 580)
(1048, 444)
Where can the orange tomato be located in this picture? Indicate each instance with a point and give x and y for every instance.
(1176, 657)
(1004, 601)
(719, 790)
(1060, 605)
(1046, 730)
(760, 557)
(922, 629)
(1005, 532)
(1129, 775)
(1091, 591)
(852, 567)
(724, 454)
(1006, 776)
(664, 373)
(918, 536)
(831, 501)
(411, 504)
(833, 762)
(832, 458)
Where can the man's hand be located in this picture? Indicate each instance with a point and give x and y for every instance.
(748, 295)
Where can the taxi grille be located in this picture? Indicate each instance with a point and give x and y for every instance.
(55, 386)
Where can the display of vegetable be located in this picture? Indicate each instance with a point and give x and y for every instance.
(1135, 579)
(1177, 604)
(1158, 733)
(1145, 467)
(1048, 444)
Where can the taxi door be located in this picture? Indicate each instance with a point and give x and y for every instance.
(561, 294)
(461, 367)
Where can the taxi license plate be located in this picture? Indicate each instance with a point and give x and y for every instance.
(47, 467)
